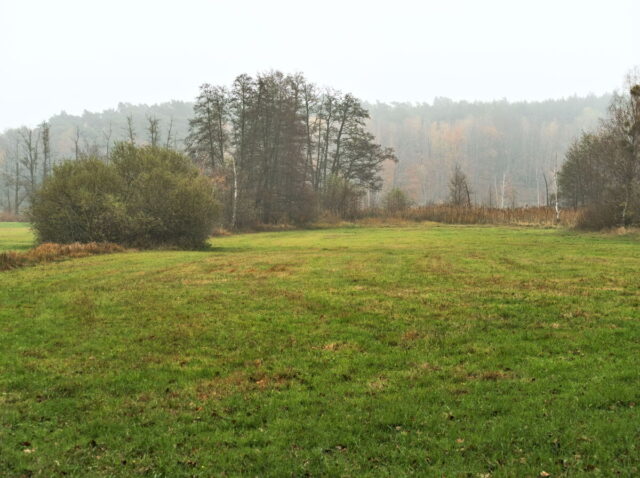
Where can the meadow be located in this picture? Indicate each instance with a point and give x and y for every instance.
(424, 350)
(15, 236)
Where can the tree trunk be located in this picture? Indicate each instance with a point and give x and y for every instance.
(16, 198)
(234, 205)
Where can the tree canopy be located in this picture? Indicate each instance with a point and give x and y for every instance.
(276, 141)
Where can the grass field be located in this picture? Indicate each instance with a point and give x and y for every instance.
(424, 350)
(15, 236)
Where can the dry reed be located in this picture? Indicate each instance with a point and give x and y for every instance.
(50, 252)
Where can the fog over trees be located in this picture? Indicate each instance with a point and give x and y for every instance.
(509, 152)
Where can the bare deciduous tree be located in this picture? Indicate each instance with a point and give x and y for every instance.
(46, 148)
(131, 132)
(76, 143)
(169, 131)
(107, 138)
(30, 159)
(153, 129)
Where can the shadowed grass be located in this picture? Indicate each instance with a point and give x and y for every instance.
(424, 350)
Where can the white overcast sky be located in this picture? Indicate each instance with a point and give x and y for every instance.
(74, 55)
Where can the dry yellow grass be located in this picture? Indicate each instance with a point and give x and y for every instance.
(50, 252)
(523, 216)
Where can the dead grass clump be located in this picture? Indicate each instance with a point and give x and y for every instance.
(6, 216)
(493, 375)
(338, 346)
(624, 231)
(429, 366)
(221, 232)
(50, 252)
(264, 227)
(411, 336)
(332, 346)
(385, 221)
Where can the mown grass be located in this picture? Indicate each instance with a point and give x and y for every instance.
(423, 350)
(15, 236)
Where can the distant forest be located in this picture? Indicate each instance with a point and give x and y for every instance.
(509, 151)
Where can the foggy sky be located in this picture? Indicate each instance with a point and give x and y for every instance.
(74, 55)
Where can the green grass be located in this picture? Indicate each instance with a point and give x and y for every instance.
(428, 351)
(15, 236)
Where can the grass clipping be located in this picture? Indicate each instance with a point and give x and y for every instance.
(50, 252)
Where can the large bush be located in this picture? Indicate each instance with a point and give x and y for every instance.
(342, 197)
(396, 202)
(144, 197)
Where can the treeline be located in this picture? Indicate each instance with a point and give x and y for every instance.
(27, 155)
(510, 152)
(602, 170)
(278, 148)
